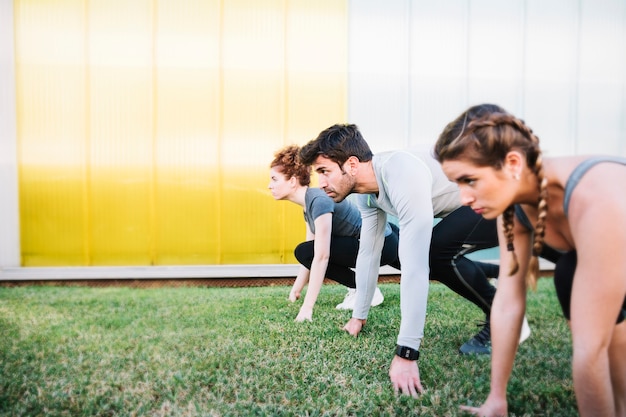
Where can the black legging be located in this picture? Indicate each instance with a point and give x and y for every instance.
(458, 234)
(564, 279)
(343, 254)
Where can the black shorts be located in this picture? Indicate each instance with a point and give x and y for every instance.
(563, 280)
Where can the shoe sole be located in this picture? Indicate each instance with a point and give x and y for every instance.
(525, 333)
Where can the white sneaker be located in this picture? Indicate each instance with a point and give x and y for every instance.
(525, 333)
(378, 298)
(348, 301)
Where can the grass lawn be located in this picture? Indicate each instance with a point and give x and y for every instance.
(77, 351)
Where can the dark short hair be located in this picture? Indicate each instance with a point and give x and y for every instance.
(337, 143)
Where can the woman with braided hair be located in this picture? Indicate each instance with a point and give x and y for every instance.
(497, 162)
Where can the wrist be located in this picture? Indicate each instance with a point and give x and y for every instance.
(407, 353)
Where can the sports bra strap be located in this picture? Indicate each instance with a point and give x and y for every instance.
(578, 173)
(523, 218)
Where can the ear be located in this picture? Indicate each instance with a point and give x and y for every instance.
(514, 163)
(352, 165)
(293, 181)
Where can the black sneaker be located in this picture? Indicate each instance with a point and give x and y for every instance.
(480, 344)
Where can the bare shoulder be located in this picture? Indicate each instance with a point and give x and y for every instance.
(597, 190)
(559, 171)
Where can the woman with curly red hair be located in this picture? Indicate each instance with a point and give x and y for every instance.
(332, 234)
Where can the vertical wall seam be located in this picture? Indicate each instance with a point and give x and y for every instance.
(220, 134)
(467, 51)
(346, 96)
(285, 115)
(153, 234)
(10, 224)
(524, 81)
(576, 86)
(18, 153)
(622, 140)
(18, 165)
(86, 183)
(409, 47)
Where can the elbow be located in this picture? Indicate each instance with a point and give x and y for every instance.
(322, 258)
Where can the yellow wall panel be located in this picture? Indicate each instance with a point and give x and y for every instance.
(146, 128)
(121, 132)
(316, 80)
(51, 125)
(187, 127)
(252, 124)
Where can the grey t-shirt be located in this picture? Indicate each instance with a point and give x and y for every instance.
(346, 216)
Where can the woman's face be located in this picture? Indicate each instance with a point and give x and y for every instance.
(279, 185)
(489, 192)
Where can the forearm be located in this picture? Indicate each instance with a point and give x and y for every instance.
(301, 279)
(506, 323)
(367, 270)
(414, 278)
(316, 279)
(592, 383)
(366, 281)
(414, 287)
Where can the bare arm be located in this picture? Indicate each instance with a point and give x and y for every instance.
(323, 230)
(301, 280)
(303, 274)
(507, 314)
(599, 231)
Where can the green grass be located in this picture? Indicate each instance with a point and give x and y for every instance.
(76, 351)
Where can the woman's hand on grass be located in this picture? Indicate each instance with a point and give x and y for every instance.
(354, 326)
(306, 313)
(405, 377)
(294, 295)
(493, 407)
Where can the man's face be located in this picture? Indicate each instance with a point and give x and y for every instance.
(333, 179)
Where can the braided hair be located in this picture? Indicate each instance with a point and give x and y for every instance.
(484, 135)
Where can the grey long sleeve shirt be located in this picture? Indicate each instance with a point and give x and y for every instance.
(412, 187)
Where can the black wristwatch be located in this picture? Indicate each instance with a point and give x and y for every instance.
(407, 353)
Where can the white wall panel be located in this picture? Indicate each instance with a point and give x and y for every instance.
(558, 64)
(378, 77)
(439, 70)
(9, 209)
(551, 71)
(602, 72)
(496, 53)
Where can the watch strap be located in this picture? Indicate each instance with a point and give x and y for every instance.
(407, 353)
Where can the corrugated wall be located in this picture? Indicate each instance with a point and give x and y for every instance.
(145, 128)
(558, 64)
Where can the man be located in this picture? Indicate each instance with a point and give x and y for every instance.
(411, 186)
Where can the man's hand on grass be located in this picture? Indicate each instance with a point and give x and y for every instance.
(405, 377)
(354, 326)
